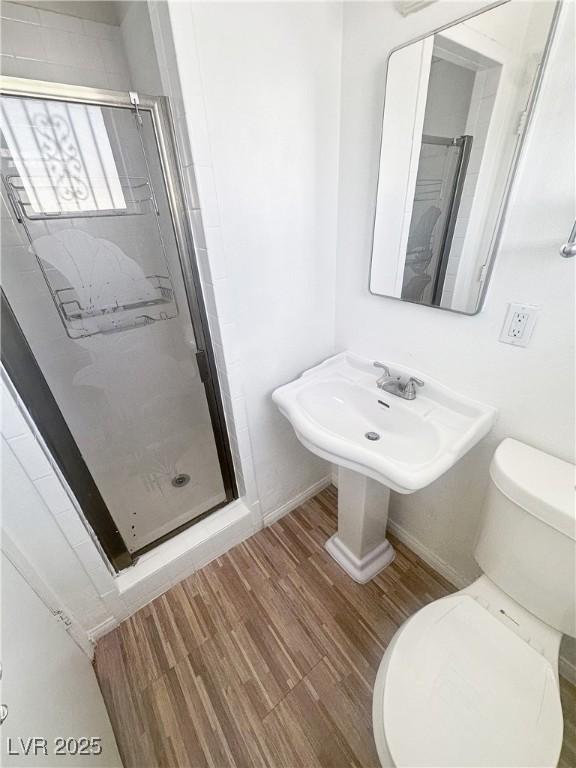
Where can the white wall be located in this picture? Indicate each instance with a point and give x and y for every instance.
(48, 684)
(533, 388)
(261, 91)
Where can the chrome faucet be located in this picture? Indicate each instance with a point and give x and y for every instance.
(386, 376)
(395, 385)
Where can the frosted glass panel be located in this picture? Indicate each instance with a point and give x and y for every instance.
(433, 201)
(99, 294)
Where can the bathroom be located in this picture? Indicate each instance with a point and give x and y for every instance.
(167, 500)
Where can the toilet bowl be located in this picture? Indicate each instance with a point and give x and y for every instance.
(472, 678)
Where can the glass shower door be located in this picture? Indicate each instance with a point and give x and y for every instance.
(441, 172)
(92, 270)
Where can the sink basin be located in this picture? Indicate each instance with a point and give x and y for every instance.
(338, 413)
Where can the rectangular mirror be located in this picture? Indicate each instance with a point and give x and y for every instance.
(456, 108)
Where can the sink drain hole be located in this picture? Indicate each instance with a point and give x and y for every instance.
(372, 436)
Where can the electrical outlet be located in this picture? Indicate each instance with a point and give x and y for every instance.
(518, 324)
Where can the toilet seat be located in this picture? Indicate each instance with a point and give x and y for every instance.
(458, 688)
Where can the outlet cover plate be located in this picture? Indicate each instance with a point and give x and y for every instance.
(519, 324)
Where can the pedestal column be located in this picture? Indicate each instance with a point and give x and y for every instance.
(360, 547)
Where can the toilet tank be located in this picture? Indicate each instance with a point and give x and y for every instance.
(527, 542)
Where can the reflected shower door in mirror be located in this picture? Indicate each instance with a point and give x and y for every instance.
(93, 268)
(456, 108)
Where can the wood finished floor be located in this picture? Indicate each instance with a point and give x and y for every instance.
(266, 657)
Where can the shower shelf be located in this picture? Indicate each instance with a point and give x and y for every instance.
(71, 308)
(114, 324)
(138, 197)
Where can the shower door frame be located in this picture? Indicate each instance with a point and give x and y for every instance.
(464, 146)
(24, 371)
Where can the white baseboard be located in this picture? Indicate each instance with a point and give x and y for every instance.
(276, 514)
(426, 554)
(102, 629)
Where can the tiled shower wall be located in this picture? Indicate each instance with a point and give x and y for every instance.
(46, 525)
(42, 45)
(202, 209)
(261, 89)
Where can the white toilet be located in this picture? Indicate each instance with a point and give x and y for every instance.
(472, 679)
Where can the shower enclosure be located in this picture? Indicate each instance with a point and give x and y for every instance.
(104, 333)
(441, 174)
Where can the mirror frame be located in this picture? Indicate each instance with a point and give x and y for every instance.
(510, 176)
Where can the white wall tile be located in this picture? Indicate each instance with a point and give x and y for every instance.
(225, 300)
(235, 377)
(115, 604)
(183, 31)
(197, 228)
(182, 139)
(240, 416)
(19, 12)
(193, 199)
(118, 81)
(30, 456)
(13, 423)
(114, 59)
(5, 40)
(97, 29)
(207, 192)
(88, 52)
(89, 554)
(230, 342)
(60, 21)
(72, 527)
(54, 495)
(61, 48)
(203, 264)
(210, 301)
(25, 39)
(8, 65)
(217, 253)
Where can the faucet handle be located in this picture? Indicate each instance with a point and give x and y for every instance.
(410, 386)
(383, 366)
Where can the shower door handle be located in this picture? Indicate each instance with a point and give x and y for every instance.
(568, 250)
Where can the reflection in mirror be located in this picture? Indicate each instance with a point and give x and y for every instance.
(456, 106)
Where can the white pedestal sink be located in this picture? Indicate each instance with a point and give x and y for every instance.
(380, 442)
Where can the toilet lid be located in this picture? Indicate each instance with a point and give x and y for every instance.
(463, 690)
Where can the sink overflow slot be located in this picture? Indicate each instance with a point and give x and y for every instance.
(381, 402)
(372, 436)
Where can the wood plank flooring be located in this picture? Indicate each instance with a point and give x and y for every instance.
(265, 657)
